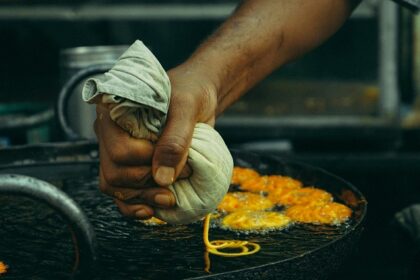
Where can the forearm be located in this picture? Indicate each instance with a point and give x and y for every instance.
(260, 36)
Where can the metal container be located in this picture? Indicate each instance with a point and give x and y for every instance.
(78, 115)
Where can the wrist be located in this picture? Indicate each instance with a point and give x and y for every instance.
(202, 70)
(192, 80)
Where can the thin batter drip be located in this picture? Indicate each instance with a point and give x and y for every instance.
(215, 246)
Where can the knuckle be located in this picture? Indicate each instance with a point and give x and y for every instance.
(173, 145)
(188, 101)
(141, 196)
(119, 153)
(124, 210)
(144, 177)
(112, 178)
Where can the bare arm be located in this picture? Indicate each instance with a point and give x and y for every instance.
(261, 36)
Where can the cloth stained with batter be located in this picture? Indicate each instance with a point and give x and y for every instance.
(137, 91)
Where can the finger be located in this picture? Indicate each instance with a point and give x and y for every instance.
(116, 192)
(138, 211)
(171, 150)
(124, 176)
(121, 147)
(159, 197)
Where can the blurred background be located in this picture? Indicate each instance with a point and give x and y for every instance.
(351, 106)
(357, 84)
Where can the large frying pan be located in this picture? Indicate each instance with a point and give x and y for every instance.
(127, 249)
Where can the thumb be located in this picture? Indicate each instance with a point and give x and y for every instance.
(171, 150)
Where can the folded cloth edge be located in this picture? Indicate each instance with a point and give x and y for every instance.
(93, 88)
(136, 78)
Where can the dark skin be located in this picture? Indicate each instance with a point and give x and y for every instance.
(259, 37)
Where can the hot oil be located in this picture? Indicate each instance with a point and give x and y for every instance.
(33, 240)
(129, 249)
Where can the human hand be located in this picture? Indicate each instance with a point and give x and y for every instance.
(134, 171)
(125, 169)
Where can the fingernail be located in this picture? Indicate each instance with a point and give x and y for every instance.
(142, 213)
(165, 175)
(163, 200)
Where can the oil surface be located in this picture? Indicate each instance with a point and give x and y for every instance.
(36, 243)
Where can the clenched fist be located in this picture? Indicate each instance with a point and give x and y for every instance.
(136, 172)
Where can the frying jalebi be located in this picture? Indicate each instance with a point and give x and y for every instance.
(301, 196)
(270, 183)
(235, 201)
(328, 213)
(247, 220)
(247, 211)
(242, 174)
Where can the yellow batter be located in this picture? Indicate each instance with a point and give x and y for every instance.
(331, 213)
(300, 196)
(153, 222)
(247, 220)
(235, 201)
(270, 183)
(242, 174)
